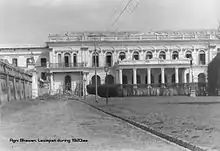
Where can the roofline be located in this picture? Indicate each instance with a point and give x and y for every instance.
(27, 46)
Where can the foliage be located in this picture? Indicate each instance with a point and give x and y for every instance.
(112, 90)
(214, 75)
(90, 89)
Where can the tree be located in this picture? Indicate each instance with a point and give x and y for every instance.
(214, 75)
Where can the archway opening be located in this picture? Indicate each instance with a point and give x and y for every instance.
(98, 80)
(109, 79)
(67, 59)
(67, 82)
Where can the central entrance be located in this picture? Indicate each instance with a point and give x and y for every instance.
(67, 82)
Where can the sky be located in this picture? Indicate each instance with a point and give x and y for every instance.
(31, 21)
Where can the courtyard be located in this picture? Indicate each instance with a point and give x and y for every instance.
(63, 124)
(194, 120)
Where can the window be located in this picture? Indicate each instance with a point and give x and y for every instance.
(74, 60)
(202, 57)
(122, 55)
(43, 75)
(149, 55)
(135, 55)
(43, 62)
(67, 59)
(162, 55)
(175, 55)
(95, 59)
(188, 54)
(15, 62)
(59, 60)
(28, 61)
(109, 59)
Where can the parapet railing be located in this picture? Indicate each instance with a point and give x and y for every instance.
(138, 37)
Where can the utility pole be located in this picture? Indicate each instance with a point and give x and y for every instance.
(96, 84)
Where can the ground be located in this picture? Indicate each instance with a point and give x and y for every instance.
(195, 120)
(69, 119)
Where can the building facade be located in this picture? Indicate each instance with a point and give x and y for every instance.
(70, 59)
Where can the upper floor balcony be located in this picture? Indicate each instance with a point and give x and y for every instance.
(66, 65)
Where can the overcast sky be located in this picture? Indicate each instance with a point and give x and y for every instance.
(30, 21)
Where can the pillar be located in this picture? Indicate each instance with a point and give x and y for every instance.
(134, 76)
(177, 75)
(62, 58)
(184, 76)
(34, 84)
(8, 88)
(24, 89)
(148, 75)
(15, 88)
(120, 76)
(190, 75)
(51, 83)
(162, 76)
(71, 59)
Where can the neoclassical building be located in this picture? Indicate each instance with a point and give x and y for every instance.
(132, 57)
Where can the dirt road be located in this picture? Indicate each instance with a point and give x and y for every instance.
(71, 125)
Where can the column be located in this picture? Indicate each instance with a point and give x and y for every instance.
(177, 75)
(71, 59)
(148, 75)
(51, 83)
(120, 76)
(62, 58)
(162, 76)
(184, 76)
(8, 88)
(134, 76)
(15, 88)
(34, 85)
(190, 75)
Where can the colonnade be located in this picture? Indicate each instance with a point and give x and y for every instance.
(149, 70)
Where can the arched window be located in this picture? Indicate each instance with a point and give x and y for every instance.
(149, 55)
(67, 59)
(109, 79)
(98, 80)
(74, 60)
(201, 78)
(175, 55)
(135, 55)
(95, 59)
(122, 55)
(28, 61)
(162, 55)
(202, 57)
(43, 62)
(67, 82)
(15, 62)
(188, 54)
(109, 59)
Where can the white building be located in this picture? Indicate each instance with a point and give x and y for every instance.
(134, 58)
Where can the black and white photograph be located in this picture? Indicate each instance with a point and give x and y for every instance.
(109, 75)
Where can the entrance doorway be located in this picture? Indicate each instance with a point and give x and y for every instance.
(67, 82)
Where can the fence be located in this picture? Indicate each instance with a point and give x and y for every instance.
(164, 90)
(15, 83)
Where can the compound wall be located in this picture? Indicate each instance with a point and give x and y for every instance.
(15, 83)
